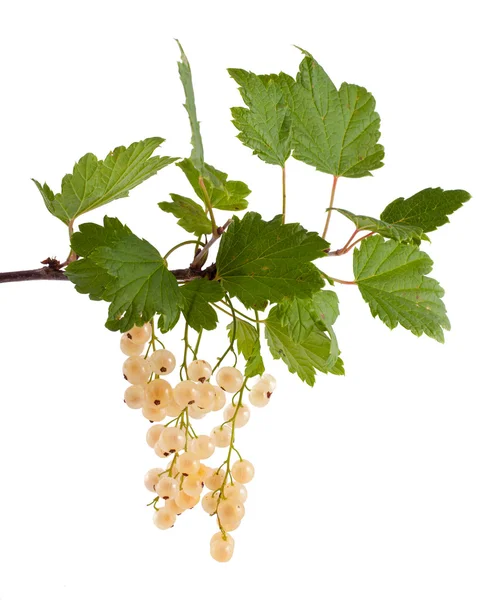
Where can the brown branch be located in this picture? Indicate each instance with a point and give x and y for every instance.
(52, 273)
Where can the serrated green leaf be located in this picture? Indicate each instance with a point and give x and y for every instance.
(428, 209)
(230, 195)
(248, 345)
(335, 131)
(301, 315)
(264, 261)
(391, 279)
(191, 216)
(265, 126)
(126, 271)
(395, 231)
(303, 358)
(196, 296)
(94, 182)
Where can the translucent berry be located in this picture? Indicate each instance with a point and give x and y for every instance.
(185, 501)
(154, 413)
(162, 362)
(222, 549)
(173, 409)
(140, 335)
(229, 379)
(209, 502)
(164, 519)
(219, 398)
(243, 471)
(135, 396)
(173, 439)
(270, 381)
(152, 478)
(186, 393)
(235, 492)
(207, 396)
(195, 412)
(204, 472)
(129, 348)
(221, 436)
(202, 446)
(172, 507)
(215, 480)
(159, 393)
(188, 463)
(153, 434)
(229, 511)
(167, 488)
(259, 396)
(242, 415)
(192, 485)
(199, 370)
(160, 450)
(136, 370)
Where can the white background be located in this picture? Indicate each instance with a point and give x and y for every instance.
(368, 486)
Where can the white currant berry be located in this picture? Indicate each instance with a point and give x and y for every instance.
(195, 412)
(185, 501)
(192, 485)
(215, 480)
(209, 502)
(172, 507)
(129, 348)
(199, 370)
(207, 396)
(231, 526)
(186, 393)
(152, 478)
(270, 380)
(242, 414)
(162, 362)
(154, 413)
(229, 511)
(222, 547)
(135, 396)
(164, 519)
(153, 434)
(188, 463)
(202, 446)
(173, 439)
(221, 436)
(259, 396)
(136, 370)
(243, 471)
(159, 393)
(167, 488)
(173, 409)
(160, 450)
(219, 398)
(235, 492)
(229, 379)
(204, 472)
(140, 335)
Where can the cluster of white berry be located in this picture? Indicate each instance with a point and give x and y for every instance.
(181, 482)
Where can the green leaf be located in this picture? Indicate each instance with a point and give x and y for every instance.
(391, 279)
(196, 296)
(335, 131)
(126, 271)
(427, 209)
(395, 231)
(304, 358)
(265, 126)
(264, 261)
(230, 195)
(248, 345)
(191, 216)
(94, 182)
(197, 154)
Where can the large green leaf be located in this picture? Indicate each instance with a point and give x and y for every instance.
(427, 209)
(94, 182)
(196, 296)
(396, 231)
(229, 195)
(265, 125)
(305, 357)
(335, 131)
(191, 216)
(391, 279)
(126, 271)
(264, 261)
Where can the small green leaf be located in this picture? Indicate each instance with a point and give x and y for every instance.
(264, 261)
(395, 231)
(391, 279)
(265, 126)
(196, 296)
(126, 271)
(335, 131)
(191, 216)
(230, 195)
(303, 358)
(248, 345)
(427, 209)
(94, 182)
